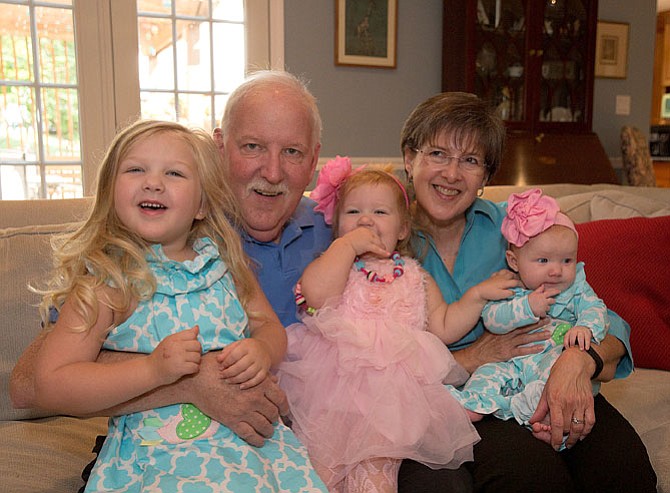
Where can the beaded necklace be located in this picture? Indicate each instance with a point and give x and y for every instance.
(372, 276)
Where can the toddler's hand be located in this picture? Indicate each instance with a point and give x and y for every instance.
(541, 300)
(498, 286)
(177, 355)
(245, 362)
(578, 336)
(364, 240)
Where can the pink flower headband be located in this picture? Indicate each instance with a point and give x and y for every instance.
(529, 214)
(331, 177)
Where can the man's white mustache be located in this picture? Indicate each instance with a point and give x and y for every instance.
(262, 186)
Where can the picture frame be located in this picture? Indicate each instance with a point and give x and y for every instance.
(612, 49)
(366, 33)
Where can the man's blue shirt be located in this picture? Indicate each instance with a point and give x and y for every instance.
(279, 265)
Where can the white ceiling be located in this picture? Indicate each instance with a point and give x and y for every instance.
(662, 5)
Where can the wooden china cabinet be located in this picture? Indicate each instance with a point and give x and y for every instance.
(533, 60)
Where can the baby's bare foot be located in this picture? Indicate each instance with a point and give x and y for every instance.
(474, 417)
(542, 430)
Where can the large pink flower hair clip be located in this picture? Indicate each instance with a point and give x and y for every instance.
(529, 214)
(332, 175)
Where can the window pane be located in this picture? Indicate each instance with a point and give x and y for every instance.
(63, 182)
(18, 125)
(219, 105)
(39, 102)
(19, 182)
(192, 8)
(60, 124)
(228, 10)
(17, 54)
(195, 110)
(158, 105)
(229, 63)
(156, 59)
(56, 45)
(157, 6)
(193, 58)
(177, 66)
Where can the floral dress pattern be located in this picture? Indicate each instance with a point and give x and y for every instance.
(177, 448)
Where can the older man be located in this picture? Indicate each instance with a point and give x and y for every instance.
(270, 141)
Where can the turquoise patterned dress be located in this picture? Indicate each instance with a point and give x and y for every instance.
(178, 448)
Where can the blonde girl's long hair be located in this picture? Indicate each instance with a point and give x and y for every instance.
(378, 175)
(104, 252)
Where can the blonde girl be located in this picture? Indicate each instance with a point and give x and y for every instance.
(158, 268)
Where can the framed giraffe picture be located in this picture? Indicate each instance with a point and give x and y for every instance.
(366, 33)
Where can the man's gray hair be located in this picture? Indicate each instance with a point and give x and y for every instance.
(273, 78)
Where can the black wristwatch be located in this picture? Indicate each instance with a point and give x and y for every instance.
(597, 359)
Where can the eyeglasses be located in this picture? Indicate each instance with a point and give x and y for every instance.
(437, 157)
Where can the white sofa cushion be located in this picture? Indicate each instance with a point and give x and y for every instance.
(612, 204)
(25, 260)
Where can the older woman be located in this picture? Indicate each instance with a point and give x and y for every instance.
(452, 145)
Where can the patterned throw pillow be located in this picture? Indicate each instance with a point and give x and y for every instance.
(628, 267)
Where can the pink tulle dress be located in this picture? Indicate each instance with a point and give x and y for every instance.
(364, 379)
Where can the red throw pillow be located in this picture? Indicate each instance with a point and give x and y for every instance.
(628, 266)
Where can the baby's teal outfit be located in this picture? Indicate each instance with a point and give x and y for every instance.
(177, 447)
(513, 388)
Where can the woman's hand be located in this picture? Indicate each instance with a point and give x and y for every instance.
(567, 398)
(490, 348)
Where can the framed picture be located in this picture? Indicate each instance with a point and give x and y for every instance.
(612, 49)
(365, 33)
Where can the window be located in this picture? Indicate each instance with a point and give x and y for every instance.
(40, 153)
(62, 97)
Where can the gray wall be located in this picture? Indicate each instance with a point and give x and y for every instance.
(642, 18)
(363, 108)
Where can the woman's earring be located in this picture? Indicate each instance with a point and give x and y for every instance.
(480, 191)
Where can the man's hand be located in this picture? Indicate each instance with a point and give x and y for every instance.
(250, 413)
(568, 399)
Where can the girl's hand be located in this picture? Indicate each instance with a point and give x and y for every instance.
(578, 336)
(497, 287)
(177, 355)
(245, 362)
(364, 240)
(541, 300)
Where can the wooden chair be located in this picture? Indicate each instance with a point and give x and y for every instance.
(637, 163)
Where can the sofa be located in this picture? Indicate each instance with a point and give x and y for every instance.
(40, 452)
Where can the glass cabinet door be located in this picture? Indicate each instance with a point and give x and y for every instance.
(500, 61)
(531, 59)
(563, 53)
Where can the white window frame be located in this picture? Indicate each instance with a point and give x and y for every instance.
(106, 40)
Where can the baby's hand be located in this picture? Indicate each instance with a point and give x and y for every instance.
(498, 286)
(541, 300)
(364, 240)
(578, 336)
(246, 362)
(177, 355)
